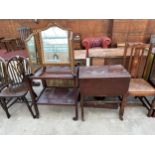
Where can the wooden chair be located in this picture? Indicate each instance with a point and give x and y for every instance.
(136, 65)
(3, 75)
(3, 82)
(18, 86)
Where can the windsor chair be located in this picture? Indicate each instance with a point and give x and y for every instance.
(18, 85)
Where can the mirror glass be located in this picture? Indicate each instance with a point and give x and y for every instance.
(32, 49)
(55, 45)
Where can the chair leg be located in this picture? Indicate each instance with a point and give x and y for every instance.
(36, 110)
(3, 105)
(29, 107)
(122, 106)
(150, 113)
(82, 108)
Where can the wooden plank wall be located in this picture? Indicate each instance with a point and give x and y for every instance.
(119, 29)
(133, 30)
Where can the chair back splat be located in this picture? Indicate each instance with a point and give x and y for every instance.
(3, 75)
(135, 58)
(18, 68)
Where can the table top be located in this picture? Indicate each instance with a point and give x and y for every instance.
(107, 71)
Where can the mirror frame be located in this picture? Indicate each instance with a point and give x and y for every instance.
(70, 50)
(36, 52)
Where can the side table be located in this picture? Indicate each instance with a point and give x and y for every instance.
(110, 80)
(60, 96)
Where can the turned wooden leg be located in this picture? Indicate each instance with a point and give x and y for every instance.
(4, 106)
(29, 107)
(150, 113)
(153, 115)
(82, 108)
(122, 106)
(33, 97)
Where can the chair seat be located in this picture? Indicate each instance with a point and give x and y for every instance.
(140, 87)
(15, 91)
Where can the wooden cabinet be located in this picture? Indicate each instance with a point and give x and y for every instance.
(76, 41)
(77, 44)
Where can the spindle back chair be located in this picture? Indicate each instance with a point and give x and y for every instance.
(3, 75)
(18, 86)
(137, 65)
(137, 56)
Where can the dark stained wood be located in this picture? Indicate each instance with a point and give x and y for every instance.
(107, 71)
(58, 96)
(105, 104)
(15, 91)
(105, 86)
(110, 80)
(152, 110)
(54, 73)
(17, 84)
(62, 96)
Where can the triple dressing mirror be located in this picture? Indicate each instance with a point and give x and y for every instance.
(51, 46)
(31, 48)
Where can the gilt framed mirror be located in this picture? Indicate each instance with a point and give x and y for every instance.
(56, 46)
(32, 49)
(51, 46)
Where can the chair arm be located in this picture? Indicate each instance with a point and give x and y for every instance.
(106, 41)
(86, 43)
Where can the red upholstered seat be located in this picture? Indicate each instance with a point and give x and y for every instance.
(91, 42)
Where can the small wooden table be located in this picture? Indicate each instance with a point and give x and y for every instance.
(60, 96)
(110, 80)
